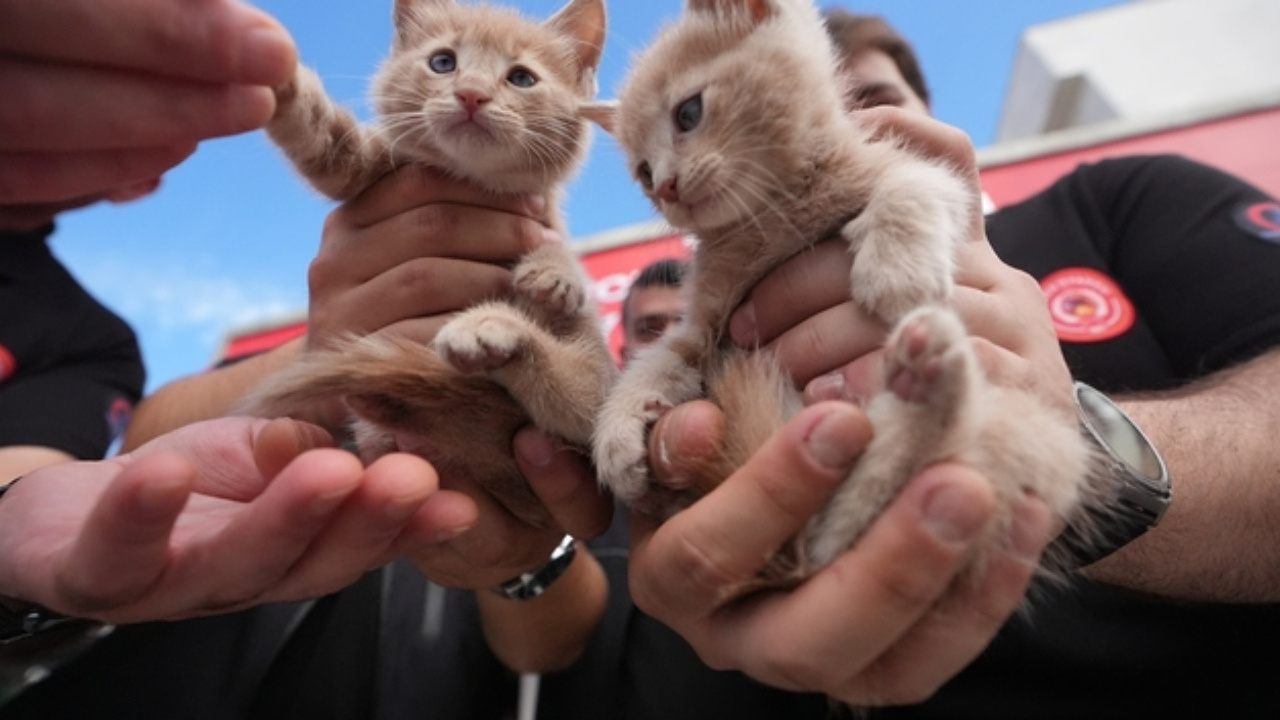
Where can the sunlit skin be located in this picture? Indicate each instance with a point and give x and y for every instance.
(650, 311)
(879, 82)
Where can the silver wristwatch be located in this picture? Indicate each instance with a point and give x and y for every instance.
(1135, 483)
(529, 585)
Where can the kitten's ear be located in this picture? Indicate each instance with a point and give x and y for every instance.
(760, 10)
(601, 112)
(584, 21)
(402, 17)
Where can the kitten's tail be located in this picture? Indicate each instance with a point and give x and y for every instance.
(757, 397)
(394, 382)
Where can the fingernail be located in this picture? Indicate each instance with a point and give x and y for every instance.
(251, 107)
(742, 326)
(535, 448)
(826, 387)
(951, 514)
(551, 237)
(447, 535)
(830, 441)
(268, 55)
(536, 204)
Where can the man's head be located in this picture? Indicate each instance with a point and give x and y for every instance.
(881, 62)
(654, 302)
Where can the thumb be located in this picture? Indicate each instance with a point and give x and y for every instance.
(123, 547)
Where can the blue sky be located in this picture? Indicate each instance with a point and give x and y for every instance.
(227, 240)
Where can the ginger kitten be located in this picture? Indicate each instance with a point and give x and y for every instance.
(500, 101)
(734, 125)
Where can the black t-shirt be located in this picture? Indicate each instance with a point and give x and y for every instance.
(70, 370)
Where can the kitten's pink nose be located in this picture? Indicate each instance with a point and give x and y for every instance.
(472, 100)
(667, 191)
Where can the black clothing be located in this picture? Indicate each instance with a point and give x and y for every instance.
(70, 370)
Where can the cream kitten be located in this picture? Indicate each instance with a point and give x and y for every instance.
(734, 125)
(500, 101)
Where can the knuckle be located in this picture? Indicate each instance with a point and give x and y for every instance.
(436, 222)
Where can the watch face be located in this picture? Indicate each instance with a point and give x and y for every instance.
(1117, 432)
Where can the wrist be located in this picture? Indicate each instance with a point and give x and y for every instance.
(35, 640)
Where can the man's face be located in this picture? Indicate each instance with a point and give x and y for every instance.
(879, 82)
(650, 311)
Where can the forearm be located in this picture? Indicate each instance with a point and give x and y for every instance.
(549, 632)
(201, 397)
(1220, 539)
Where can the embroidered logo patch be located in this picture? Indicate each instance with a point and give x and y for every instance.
(1087, 306)
(8, 364)
(1260, 219)
(118, 414)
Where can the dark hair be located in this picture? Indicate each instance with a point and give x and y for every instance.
(667, 272)
(854, 34)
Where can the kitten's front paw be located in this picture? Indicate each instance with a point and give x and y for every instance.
(926, 350)
(621, 446)
(477, 341)
(891, 295)
(550, 289)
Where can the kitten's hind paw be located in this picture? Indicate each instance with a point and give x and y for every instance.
(927, 351)
(478, 341)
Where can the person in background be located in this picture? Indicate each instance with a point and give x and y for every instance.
(653, 304)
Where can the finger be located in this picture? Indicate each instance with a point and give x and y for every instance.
(412, 186)
(562, 479)
(812, 281)
(685, 440)
(705, 555)
(869, 597)
(855, 382)
(925, 135)
(234, 563)
(57, 178)
(954, 633)
(283, 439)
(68, 109)
(417, 288)
(827, 341)
(211, 40)
(123, 546)
(496, 548)
(357, 537)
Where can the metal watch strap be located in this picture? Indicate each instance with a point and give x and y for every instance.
(1134, 505)
(529, 585)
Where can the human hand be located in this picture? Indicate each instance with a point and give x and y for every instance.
(802, 310)
(412, 250)
(499, 547)
(886, 623)
(103, 96)
(215, 517)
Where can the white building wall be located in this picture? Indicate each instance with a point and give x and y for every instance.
(1140, 60)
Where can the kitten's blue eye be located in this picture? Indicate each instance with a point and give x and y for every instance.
(443, 62)
(645, 174)
(522, 77)
(689, 113)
